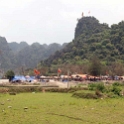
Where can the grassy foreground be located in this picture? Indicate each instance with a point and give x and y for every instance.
(59, 108)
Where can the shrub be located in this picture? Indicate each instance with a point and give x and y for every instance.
(116, 90)
(4, 90)
(19, 89)
(24, 89)
(9, 75)
(92, 86)
(112, 95)
(66, 90)
(85, 95)
(12, 93)
(108, 89)
(100, 87)
(97, 86)
(98, 93)
(116, 84)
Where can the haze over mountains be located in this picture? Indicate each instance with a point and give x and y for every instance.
(16, 55)
(91, 39)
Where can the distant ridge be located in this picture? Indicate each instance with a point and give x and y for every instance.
(17, 55)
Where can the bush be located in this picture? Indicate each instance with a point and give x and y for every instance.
(116, 84)
(116, 90)
(12, 93)
(25, 89)
(111, 95)
(108, 89)
(97, 86)
(100, 87)
(4, 90)
(98, 93)
(85, 95)
(92, 86)
(9, 75)
(19, 89)
(66, 90)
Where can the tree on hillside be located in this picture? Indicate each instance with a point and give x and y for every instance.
(116, 68)
(95, 66)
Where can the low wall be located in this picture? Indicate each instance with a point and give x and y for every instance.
(4, 81)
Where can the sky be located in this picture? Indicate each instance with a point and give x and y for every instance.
(52, 21)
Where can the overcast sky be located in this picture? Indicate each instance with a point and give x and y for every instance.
(52, 21)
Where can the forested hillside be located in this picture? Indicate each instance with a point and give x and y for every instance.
(92, 39)
(7, 59)
(30, 56)
(16, 47)
(95, 46)
(16, 56)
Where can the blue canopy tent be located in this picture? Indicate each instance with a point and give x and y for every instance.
(19, 78)
(30, 78)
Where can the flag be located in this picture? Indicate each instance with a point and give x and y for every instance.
(106, 72)
(59, 70)
(36, 72)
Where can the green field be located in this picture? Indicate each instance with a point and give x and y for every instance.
(59, 108)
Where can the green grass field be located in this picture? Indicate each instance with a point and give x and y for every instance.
(59, 108)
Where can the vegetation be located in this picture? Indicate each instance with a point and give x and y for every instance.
(22, 56)
(59, 108)
(93, 44)
(96, 50)
(92, 90)
(95, 67)
(91, 39)
(102, 90)
(9, 75)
